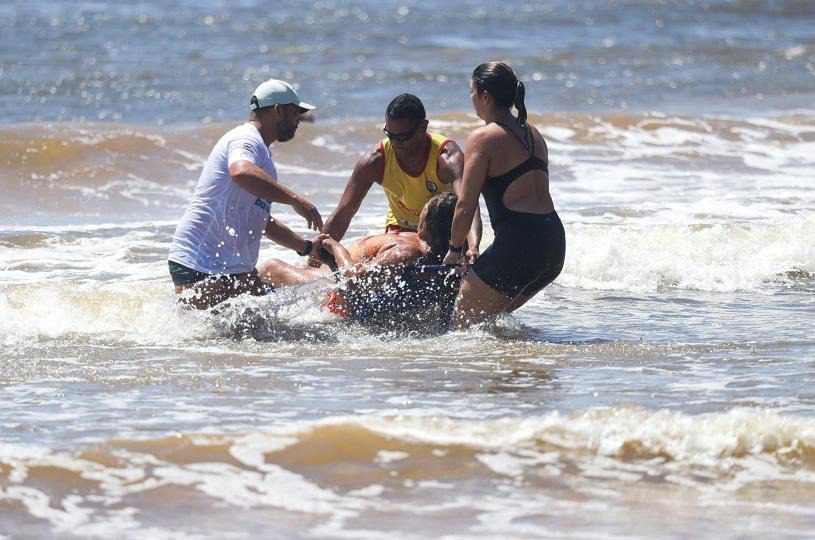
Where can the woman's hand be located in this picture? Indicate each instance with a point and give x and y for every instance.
(452, 257)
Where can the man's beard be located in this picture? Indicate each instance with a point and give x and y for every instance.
(285, 130)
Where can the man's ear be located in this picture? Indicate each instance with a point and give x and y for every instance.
(424, 124)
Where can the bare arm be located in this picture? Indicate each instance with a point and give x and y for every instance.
(475, 174)
(341, 255)
(259, 183)
(279, 233)
(367, 171)
(451, 170)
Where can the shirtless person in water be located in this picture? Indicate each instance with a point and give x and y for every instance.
(389, 250)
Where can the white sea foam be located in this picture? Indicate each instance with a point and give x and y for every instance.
(759, 169)
(330, 143)
(102, 285)
(49, 311)
(711, 258)
(147, 314)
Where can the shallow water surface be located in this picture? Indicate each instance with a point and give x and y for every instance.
(661, 387)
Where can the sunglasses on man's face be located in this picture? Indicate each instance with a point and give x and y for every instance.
(401, 137)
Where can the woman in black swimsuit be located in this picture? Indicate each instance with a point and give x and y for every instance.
(506, 160)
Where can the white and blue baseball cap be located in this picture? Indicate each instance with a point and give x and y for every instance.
(276, 92)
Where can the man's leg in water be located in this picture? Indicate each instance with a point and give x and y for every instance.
(214, 290)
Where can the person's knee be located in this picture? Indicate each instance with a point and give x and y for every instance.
(477, 302)
(267, 266)
(271, 272)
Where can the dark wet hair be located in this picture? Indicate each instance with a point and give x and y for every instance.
(439, 223)
(500, 81)
(406, 106)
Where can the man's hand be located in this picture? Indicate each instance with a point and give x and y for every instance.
(314, 259)
(471, 255)
(310, 213)
(327, 243)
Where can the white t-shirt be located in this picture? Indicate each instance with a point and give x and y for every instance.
(221, 229)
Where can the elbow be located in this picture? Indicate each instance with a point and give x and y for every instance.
(242, 168)
(236, 169)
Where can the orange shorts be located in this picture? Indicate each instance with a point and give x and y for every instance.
(335, 303)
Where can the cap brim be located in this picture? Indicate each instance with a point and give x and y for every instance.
(305, 106)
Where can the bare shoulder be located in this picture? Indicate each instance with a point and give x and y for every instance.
(402, 240)
(373, 156)
(400, 249)
(480, 136)
(369, 166)
(451, 162)
(451, 150)
(483, 139)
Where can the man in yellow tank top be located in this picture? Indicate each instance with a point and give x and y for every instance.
(411, 165)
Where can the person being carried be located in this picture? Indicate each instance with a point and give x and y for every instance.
(411, 165)
(373, 263)
(216, 244)
(508, 162)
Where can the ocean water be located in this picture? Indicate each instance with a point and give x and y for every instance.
(662, 387)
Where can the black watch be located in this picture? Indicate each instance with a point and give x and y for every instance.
(307, 249)
(454, 249)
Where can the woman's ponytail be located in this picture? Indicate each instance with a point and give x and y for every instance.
(520, 94)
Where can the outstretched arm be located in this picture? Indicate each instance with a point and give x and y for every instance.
(366, 171)
(261, 184)
(341, 255)
(475, 174)
(279, 233)
(451, 170)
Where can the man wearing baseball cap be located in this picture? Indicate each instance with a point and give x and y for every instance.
(216, 244)
(275, 92)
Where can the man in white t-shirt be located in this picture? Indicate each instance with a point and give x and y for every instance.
(216, 244)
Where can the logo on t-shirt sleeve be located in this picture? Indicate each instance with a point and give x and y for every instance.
(242, 150)
(247, 151)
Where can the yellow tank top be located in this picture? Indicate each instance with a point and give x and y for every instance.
(408, 194)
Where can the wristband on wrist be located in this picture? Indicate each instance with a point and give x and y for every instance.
(456, 249)
(307, 249)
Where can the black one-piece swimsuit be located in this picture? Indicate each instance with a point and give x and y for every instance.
(529, 249)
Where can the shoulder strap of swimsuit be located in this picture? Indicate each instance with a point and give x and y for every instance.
(527, 146)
